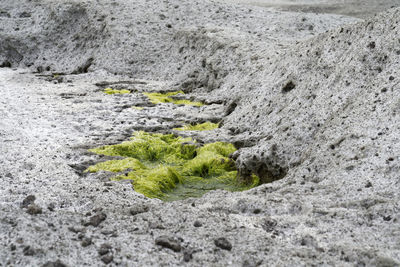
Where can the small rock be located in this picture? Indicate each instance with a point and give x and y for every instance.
(223, 243)
(34, 209)
(28, 251)
(368, 184)
(5, 64)
(387, 218)
(257, 211)
(251, 262)
(107, 258)
(13, 247)
(87, 241)
(76, 229)
(27, 201)
(197, 224)
(25, 14)
(97, 219)
(56, 263)
(169, 242)
(104, 249)
(187, 255)
(51, 206)
(138, 209)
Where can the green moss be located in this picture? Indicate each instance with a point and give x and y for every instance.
(171, 168)
(154, 182)
(111, 91)
(152, 148)
(117, 165)
(158, 98)
(137, 108)
(207, 126)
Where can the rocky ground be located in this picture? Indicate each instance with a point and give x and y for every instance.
(312, 101)
(356, 8)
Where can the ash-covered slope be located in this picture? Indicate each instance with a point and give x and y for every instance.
(139, 38)
(340, 87)
(320, 114)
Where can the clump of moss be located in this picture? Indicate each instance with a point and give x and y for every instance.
(117, 165)
(137, 108)
(111, 91)
(164, 149)
(154, 182)
(158, 98)
(207, 126)
(171, 168)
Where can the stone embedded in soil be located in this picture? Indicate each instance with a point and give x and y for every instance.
(107, 258)
(51, 206)
(76, 229)
(169, 242)
(223, 243)
(87, 241)
(28, 251)
(27, 201)
(104, 249)
(197, 224)
(187, 255)
(138, 209)
(56, 263)
(95, 220)
(34, 209)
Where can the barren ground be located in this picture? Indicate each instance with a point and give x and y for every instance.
(311, 101)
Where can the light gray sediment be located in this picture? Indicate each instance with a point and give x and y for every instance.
(311, 99)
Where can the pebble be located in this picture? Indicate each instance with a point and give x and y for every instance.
(95, 220)
(197, 224)
(34, 209)
(87, 241)
(169, 242)
(138, 209)
(223, 243)
(28, 251)
(107, 258)
(28, 201)
(56, 263)
(104, 249)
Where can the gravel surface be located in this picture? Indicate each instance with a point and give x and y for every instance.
(312, 101)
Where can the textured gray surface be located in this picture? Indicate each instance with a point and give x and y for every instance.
(319, 109)
(356, 8)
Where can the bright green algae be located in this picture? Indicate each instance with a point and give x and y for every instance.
(172, 168)
(158, 98)
(207, 126)
(111, 91)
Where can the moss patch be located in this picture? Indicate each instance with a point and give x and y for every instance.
(137, 108)
(158, 98)
(111, 91)
(207, 126)
(172, 168)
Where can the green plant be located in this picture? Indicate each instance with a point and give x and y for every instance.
(207, 126)
(158, 98)
(111, 91)
(170, 167)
